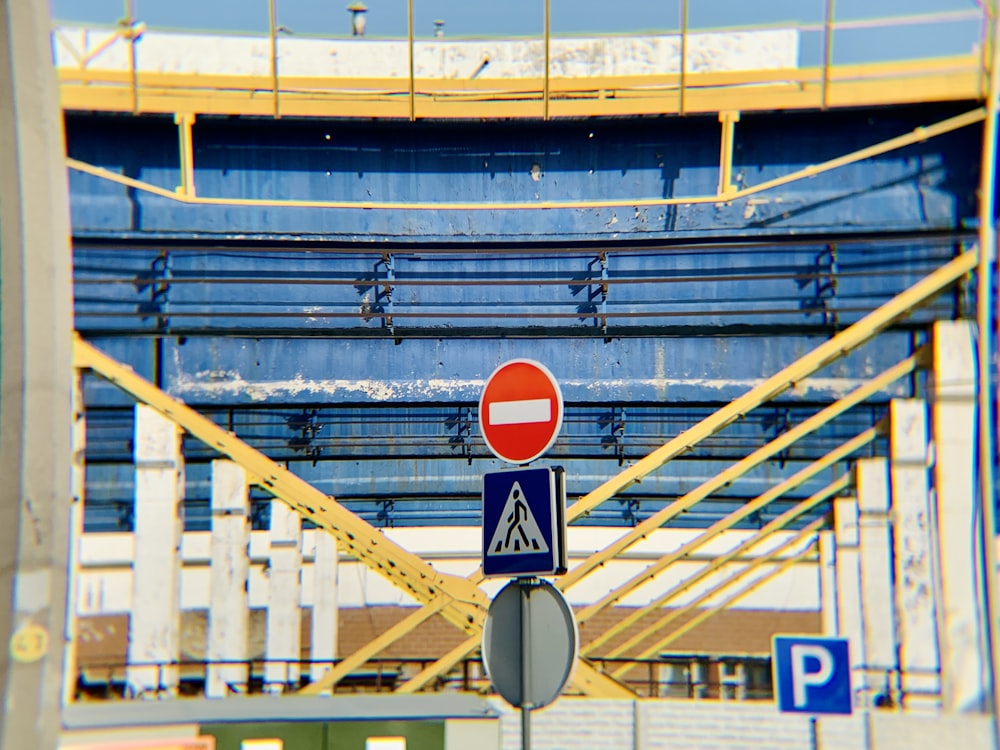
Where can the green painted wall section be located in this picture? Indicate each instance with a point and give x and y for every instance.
(345, 735)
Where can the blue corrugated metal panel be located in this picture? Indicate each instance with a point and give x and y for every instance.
(361, 364)
(617, 432)
(400, 466)
(185, 291)
(138, 353)
(930, 185)
(234, 371)
(405, 491)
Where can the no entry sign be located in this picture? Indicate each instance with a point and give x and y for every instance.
(520, 411)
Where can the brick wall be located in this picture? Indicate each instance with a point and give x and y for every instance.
(584, 724)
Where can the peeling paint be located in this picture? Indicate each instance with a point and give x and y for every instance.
(199, 386)
(207, 384)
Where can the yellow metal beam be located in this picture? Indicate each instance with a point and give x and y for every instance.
(708, 612)
(371, 649)
(465, 601)
(837, 346)
(860, 394)
(441, 666)
(484, 91)
(458, 599)
(185, 144)
(658, 519)
(907, 139)
(744, 465)
(728, 120)
(935, 79)
(777, 524)
(827, 352)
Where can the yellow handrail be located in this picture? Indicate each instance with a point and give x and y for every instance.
(915, 136)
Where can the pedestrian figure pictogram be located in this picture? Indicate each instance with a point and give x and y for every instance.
(518, 531)
(524, 527)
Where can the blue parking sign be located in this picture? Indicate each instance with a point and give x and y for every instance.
(812, 675)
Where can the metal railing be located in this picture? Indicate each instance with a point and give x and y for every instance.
(826, 80)
(667, 675)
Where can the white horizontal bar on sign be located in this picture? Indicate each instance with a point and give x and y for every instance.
(521, 412)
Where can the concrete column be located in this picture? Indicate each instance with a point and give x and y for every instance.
(36, 318)
(283, 646)
(154, 627)
(912, 526)
(877, 610)
(323, 648)
(952, 389)
(229, 613)
(848, 577)
(828, 581)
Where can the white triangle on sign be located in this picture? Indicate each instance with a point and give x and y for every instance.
(518, 532)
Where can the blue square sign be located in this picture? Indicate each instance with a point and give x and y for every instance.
(812, 675)
(523, 522)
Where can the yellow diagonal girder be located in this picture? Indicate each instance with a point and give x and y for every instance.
(839, 345)
(443, 666)
(465, 602)
(724, 478)
(777, 524)
(842, 343)
(374, 647)
(460, 600)
(753, 585)
(657, 519)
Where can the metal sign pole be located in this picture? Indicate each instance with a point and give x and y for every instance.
(526, 585)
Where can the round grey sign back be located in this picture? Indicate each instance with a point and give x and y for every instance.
(549, 649)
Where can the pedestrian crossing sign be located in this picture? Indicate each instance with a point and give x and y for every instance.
(524, 527)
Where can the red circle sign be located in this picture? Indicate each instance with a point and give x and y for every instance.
(520, 411)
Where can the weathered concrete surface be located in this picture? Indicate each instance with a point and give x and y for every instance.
(165, 52)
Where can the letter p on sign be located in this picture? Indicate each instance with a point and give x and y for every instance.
(812, 675)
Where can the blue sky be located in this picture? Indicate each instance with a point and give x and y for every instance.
(387, 18)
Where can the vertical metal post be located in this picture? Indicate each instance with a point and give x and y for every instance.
(986, 50)
(827, 53)
(526, 585)
(186, 147)
(409, 25)
(133, 73)
(545, 83)
(728, 120)
(984, 310)
(684, 51)
(272, 18)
